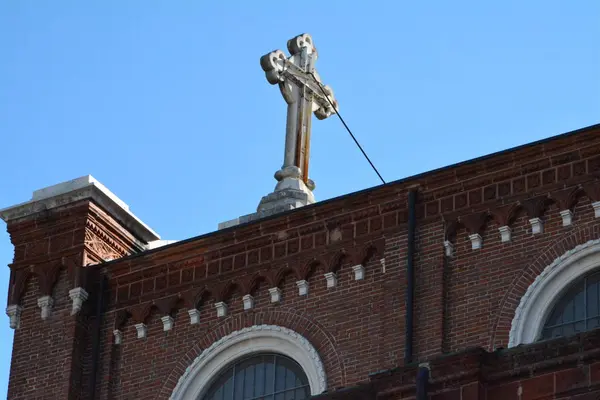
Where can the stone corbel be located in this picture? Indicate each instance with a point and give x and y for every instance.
(537, 225)
(118, 336)
(448, 248)
(194, 314)
(221, 309)
(142, 330)
(331, 278)
(359, 272)
(248, 302)
(78, 296)
(275, 293)
(14, 313)
(596, 206)
(567, 217)
(382, 261)
(475, 224)
(302, 287)
(476, 241)
(45, 303)
(505, 233)
(167, 321)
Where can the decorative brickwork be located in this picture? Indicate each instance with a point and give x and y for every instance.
(337, 272)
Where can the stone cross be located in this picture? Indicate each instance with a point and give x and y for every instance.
(294, 75)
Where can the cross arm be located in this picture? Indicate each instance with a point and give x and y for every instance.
(305, 79)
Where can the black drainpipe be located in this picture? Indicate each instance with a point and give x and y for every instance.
(96, 333)
(410, 277)
(422, 382)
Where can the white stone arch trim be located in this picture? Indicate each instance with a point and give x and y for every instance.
(546, 289)
(197, 378)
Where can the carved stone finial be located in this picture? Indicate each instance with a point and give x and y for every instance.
(78, 296)
(45, 303)
(302, 287)
(14, 313)
(248, 302)
(331, 278)
(359, 272)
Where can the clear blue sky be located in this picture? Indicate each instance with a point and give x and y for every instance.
(166, 104)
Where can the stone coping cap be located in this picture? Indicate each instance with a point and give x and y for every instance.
(85, 187)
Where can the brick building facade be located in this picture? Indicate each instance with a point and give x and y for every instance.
(436, 286)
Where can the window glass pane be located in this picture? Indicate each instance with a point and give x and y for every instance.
(577, 310)
(262, 377)
(592, 297)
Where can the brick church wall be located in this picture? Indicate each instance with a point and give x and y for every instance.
(467, 300)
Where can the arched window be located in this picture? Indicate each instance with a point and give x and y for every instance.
(578, 310)
(264, 376)
(562, 300)
(259, 362)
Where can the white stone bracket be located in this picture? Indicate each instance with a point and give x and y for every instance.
(77, 296)
(302, 287)
(476, 241)
(359, 272)
(331, 278)
(275, 293)
(14, 313)
(142, 330)
(167, 321)
(118, 336)
(449, 248)
(45, 303)
(248, 302)
(537, 225)
(194, 316)
(221, 309)
(505, 233)
(567, 217)
(596, 206)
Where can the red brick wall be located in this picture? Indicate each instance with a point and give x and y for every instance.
(358, 327)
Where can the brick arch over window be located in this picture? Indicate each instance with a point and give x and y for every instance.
(548, 256)
(323, 343)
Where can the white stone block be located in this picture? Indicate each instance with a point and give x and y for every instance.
(359, 272)
(167, 321)
(45, 303)
(194, 316)
(331, 278)
(302, 287)
(537, 225)
(505, 233)
(449, 247)
(248, 302)
(118, 336)
(221, 309)
(142, 330)
(382, 261)
(14, 313)
(77, 296)
(596, 206)
(275, 293)
(567, 217)
(476, 241)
